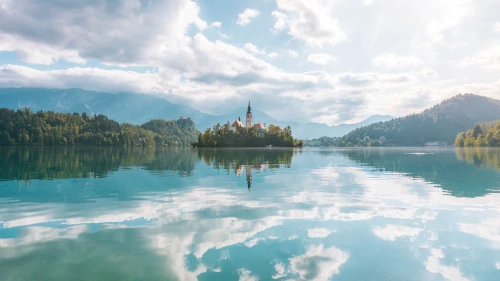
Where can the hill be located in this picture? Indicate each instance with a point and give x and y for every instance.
(441, 122)
(139, 108)
(27, 128)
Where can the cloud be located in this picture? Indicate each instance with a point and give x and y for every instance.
(318, 232)
(391, 232)
(253, 242)
(273, 55)
(433, 265)
(74, 31)
(356, 79)
(368, 2)
(318, 263)
(280, 271)
(280, 21)
(253, 49)
(496, 26)
(428, 74)
(94, 79)
(320, 59)
(454, 15)
(488, 58)
(216, 24)
(393, 61)
(497, 265)
(310, 21)
(247, 15)
(246, 275)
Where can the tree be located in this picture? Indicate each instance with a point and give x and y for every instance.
(24, 127)
(459, 141)
(477, 131)
(480, 141)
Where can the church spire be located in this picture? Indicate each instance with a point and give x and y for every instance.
(249, 108)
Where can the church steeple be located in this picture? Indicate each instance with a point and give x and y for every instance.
(249, 116)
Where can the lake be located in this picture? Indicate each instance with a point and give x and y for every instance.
(249, 214)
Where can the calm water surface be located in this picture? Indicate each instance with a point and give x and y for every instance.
(310, 214)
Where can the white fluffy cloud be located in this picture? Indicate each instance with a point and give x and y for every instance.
(488, 59)
(280, 21)
(253, 49)
(318, 263)
(77, 27)
(392, 232)
(318, 232)
(321, 59)
(273, 55)
(310, 21)
(216, 24)
(434, 265)
(246, 275)
(247, 15)
(496, 26)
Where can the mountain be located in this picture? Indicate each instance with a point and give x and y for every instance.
(139, 108)
(441, 122)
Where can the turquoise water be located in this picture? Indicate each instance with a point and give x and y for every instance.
(270, 214)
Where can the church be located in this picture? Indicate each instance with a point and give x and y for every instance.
(248, 122)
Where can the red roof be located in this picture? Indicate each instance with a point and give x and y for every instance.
(237, 123)
(259, 126)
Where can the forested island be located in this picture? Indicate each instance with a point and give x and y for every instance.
(23, 127)
(225, 136)
(484, 134)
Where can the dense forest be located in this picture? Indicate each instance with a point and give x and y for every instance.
(47, 128)
(223, 136)
(442, 122)
(484, 134)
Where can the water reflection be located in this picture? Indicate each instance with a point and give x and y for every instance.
(486, 158)
(438, 166)
(326, 215)
(239, 160)
(24, 163)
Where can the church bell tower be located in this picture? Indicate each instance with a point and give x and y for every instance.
(249, 116)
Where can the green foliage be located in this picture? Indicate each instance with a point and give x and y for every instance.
(26, 128)
(442, 122)
(486, 134)
(223, 136)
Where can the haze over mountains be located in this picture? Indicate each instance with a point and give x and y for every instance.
(140, 108)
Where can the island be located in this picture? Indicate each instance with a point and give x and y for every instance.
(248, 135)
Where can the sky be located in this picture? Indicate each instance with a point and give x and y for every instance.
(332, 62)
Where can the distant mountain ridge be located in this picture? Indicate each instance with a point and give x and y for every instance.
(441, 122)
(140, 108)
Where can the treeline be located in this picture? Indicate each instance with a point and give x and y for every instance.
(441, 122)
(484, 134)
(223, 136)
(47, 128)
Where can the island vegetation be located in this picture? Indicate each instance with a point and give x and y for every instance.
(24, 127)
(224, 136)
(484, 134)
